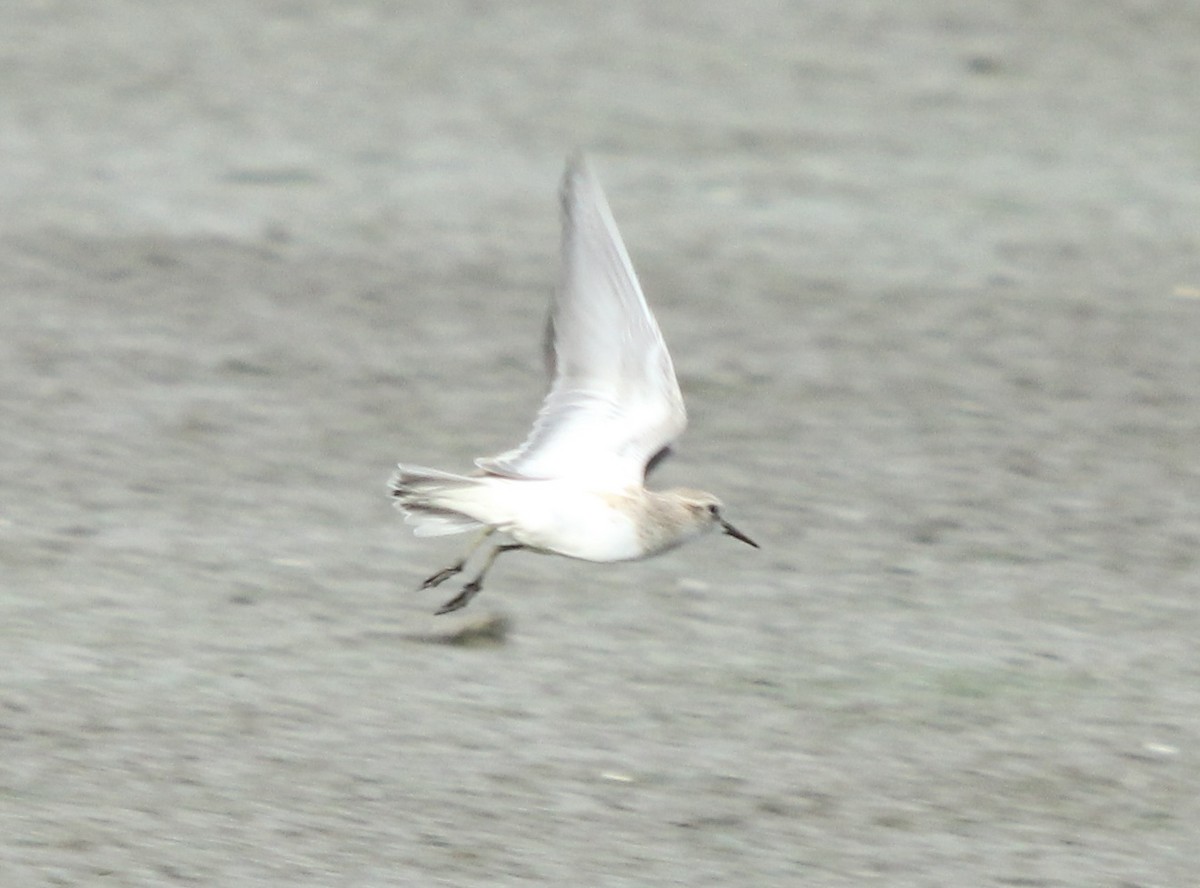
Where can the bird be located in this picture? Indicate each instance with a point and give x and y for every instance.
(576, 486)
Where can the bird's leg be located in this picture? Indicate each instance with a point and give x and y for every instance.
(472, 588)
(457, 567)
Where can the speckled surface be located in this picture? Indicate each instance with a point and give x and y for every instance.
(929, 275)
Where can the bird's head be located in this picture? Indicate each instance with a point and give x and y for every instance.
(706, 510)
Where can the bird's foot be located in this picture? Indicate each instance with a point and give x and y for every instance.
(444, 574)
(459, 601)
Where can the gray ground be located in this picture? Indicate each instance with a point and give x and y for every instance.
(929, 273)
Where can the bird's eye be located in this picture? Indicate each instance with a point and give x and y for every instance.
(714, 509)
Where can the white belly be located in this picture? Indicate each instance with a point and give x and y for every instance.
(567, 520)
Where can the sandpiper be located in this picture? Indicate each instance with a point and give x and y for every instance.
(576, 487)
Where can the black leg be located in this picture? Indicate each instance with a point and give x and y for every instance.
(457, 567)
(472, 588)
(444, 574)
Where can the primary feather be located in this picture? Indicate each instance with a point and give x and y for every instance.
(614, 402)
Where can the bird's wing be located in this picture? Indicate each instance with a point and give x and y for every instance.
(614, 401)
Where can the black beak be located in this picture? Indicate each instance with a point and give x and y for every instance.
(737, 534)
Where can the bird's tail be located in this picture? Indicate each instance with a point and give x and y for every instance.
(431, 500)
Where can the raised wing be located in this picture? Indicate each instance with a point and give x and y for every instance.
(614, 401)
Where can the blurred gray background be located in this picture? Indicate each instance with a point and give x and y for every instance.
(929, 275)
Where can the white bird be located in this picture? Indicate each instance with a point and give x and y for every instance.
(576, 486)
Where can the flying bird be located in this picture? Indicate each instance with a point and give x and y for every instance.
(576, 487)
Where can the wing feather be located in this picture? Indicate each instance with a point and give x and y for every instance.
(614, 401)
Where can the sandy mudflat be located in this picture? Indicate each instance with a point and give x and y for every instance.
(930, 275)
